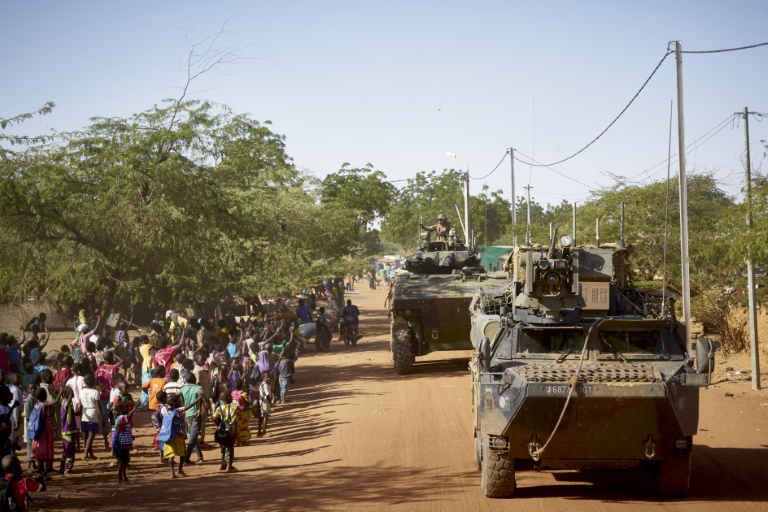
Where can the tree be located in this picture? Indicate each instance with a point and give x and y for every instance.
(183, 202)
(491, 216)
(710, 214)
(364, 190)
(422, 198)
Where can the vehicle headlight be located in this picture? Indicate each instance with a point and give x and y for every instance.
(566, 240)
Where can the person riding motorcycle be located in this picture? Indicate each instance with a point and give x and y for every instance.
(350, 316)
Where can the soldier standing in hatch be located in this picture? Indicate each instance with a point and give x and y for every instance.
(441, 229)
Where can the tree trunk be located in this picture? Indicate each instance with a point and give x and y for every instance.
(107, 302)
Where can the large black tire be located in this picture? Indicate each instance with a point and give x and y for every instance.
(673, 476)
(498, 473)
(402, 349)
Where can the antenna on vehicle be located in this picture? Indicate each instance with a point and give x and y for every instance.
(573, 230)
(597, 232)
(621, 228)
(666, 219)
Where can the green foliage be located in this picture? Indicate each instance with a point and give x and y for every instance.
(423, 197)
(364, 190)
(22, 140)
(183, 202)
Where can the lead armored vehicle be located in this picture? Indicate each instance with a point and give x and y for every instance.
(575, 369)
(429, 300)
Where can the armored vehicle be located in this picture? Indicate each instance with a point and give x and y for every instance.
(575, 369)
(429, 300)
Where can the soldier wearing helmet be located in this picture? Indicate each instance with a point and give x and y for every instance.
(441, 229)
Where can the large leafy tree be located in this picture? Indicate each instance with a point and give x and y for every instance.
(183, 202)
(364, 190)
(422, 198)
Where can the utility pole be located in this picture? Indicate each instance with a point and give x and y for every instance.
(684, 259)
(467, 224)
(753, 344)
(514, 204)
(528, 226)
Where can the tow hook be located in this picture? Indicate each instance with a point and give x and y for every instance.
(435, 333)
(534, 445)
(650, 449)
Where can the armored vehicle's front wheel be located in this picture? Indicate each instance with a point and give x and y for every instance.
(673, 476)
(402, 349)
(498, 472)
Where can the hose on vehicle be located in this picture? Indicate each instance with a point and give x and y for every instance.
(574, 381)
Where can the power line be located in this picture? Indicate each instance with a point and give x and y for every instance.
(718, 125)
(692, 149)
(667, 54)
(494, 169)
(551, 169)
(727, 49)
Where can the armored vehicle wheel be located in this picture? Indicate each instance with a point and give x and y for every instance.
(402, 349)
(498, 478)
(673, 476)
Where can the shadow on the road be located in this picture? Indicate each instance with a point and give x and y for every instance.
(313, 486)
(717, 474)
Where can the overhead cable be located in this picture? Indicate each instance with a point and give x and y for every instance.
(539, 164)
(494, 169)
(718, 125)
(726, 49)
(667, 54)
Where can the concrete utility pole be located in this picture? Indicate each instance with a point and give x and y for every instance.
(753, 344)
(514, 205)
(684, 259)
(467, 224)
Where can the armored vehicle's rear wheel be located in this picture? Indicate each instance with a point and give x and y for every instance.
(402, 349)
(498, 478)
(673, 476)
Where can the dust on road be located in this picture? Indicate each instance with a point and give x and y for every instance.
(356, 437)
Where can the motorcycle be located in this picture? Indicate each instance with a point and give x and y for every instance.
(348, 333)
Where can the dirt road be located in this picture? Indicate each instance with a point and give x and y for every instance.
(356, 437)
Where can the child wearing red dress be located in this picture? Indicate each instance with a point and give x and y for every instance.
(20, 486)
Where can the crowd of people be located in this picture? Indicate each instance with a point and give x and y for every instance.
(187, 371)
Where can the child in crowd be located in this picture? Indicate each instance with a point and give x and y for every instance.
(244, 413)
(227, 411)
(122, 440)
(69, 430)
(29, 406)
(91, 419)
(154, 385)
(7, 445)
(157, 420)
(20, 486)
(174, 447)
(42, 432)
(265, 403)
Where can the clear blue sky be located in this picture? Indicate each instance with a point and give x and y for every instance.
(398, 84)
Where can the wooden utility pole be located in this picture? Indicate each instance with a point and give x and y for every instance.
(514, 205)
(685, 262)
(753, 343)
